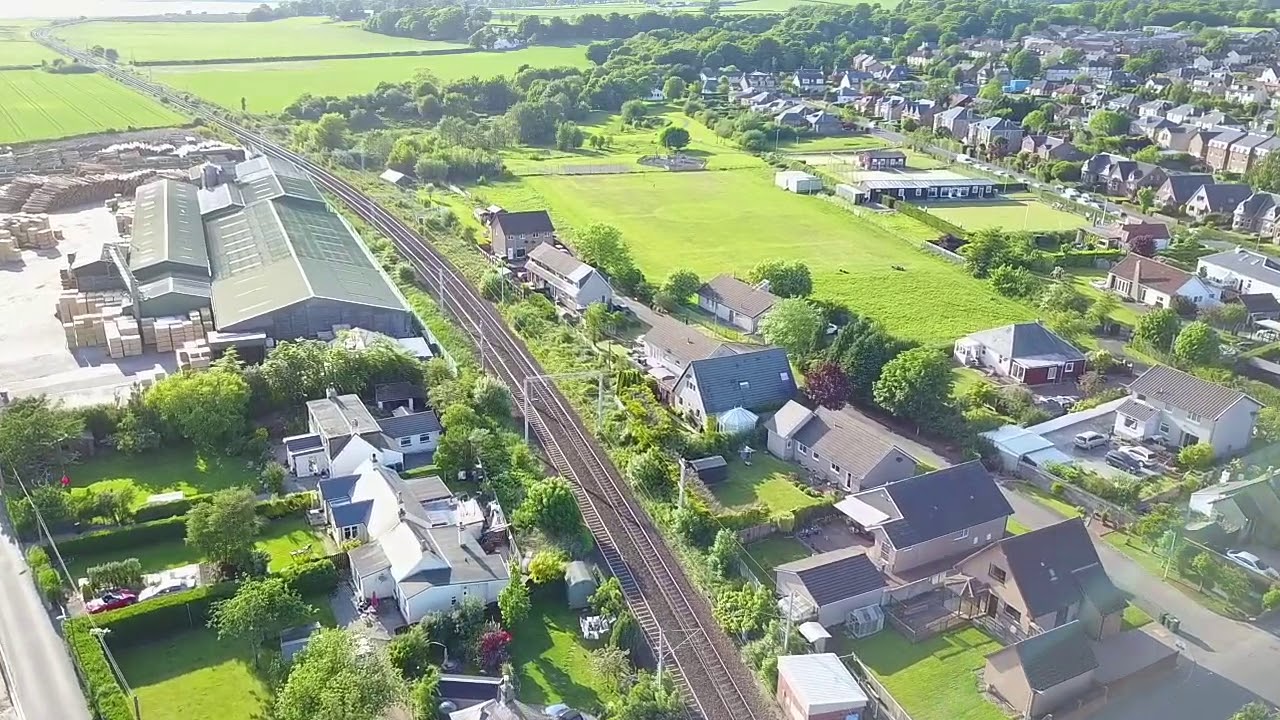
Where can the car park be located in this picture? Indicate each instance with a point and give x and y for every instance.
(111, 600)
(1144, 456)
(1249, 561)
(1123, 461)
(1090, 439)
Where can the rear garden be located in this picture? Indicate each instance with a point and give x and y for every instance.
(551, 656)
(768, 482)
(180, 468)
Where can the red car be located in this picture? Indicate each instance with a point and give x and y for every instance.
(111, 600)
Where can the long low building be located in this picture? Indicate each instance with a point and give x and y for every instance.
(915, 186)
(257, 244)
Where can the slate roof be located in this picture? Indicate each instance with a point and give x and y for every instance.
(1053, 657)
(1247, 263)
(943, 502)
(559, 262)
(751, 380)
(1151, 273)
(1260, 303)
(351, 514)
(1137, 410)
(391, 392)
(737, 295)
(788, 419)
(367, 559)
(1028, 342)
(837, 575)
(421, 423)
(1182, 187)
(1186, 392)
(1224, 197)
(1045, 563)
(306, 443)
(685, 342)
(853, 442)
(524, 222)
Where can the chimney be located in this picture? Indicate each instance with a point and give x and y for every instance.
(506, 691)
(331, 393)
(460, 542)
(1137, 279)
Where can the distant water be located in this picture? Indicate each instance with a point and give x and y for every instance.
(112, 8)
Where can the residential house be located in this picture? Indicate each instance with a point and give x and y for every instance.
(959, 99)
(1178, 189)
(1260, 306)
(1241, 155)
(1235, 59)
(1069, 91)
(1044, 672)
(1179, 409)
(810, 81)
(342, 434)
(1215, 119)
(1158, 84)
(1175, 138)
(920, 58)
(854, 79)
(1131, 235)
(1202, 63)
(1059, 72)
(922, 522)
(1266, 121)
(1118, 175)
(1247, 511)
(1242, 271)
(996, 131)
(795, 115)
(1214, 85)
(996, 73)
(1198, 144)
(1127, 104)
(956, 121)
(825, 123)
(830, 586)
(1257, 214)
(1248, 94)
(894, 74)
(1270, 76)
(671, 345)
(1150, 125)
(1151, 282)
(921, 111)
(421, 548)
(513, 234)
(1048, 147)
(1029, 353)
(1041, 580)
(1183, 114)
(1154, 108)
(818, 686)
(1218, 198)
(757, 81)
(1040, 88)
(389, 397)
(841, 447)
(571, 283)
(880, 159)
(735, 302)
(1265, 148)
(735, 389)
(890, 107)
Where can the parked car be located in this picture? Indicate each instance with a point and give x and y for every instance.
(1090, 439)
(166, 587)
(1123, 461)
(1141, 454)
(111, 600)
(1249, 561)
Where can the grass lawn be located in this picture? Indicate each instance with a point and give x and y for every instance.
(766, 481)
(282, 537)
(270, 86)
(1049, 500)
(1133, 617)
(194, 676)
(838, 143)
(773, 551)
(553, 660)
(1082, 279)
(935, 679)
(1016, 528)
(160, 471)
(727, 222)
(290, 37)
(37, 105)
(1015, 211)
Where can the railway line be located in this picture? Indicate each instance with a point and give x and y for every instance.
(675, 618)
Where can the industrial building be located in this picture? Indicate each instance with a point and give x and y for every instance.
(256, 243)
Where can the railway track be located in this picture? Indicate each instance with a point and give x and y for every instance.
(673, 615)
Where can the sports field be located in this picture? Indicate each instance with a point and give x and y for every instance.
(36, 105)
(269, 87)
(1015, 211)
(631, 8)
(16, 46)
(291, 37)
(720, 222)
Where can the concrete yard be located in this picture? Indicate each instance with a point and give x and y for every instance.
(34, 357)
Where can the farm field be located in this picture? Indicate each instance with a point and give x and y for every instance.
(271, 86)
(36, 105)
(1015, 211)
(300, 36)
(16, 46)
(727, 222)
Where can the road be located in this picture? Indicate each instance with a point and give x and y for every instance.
(43, 682)
(1227, 663)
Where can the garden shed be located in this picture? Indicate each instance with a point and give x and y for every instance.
(710, 469)
(579, 584)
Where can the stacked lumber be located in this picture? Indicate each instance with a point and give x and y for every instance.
(86, 318)
(31, 231)
(14, 195)
(46, 194)
(171, 333)
(123, 337)
(9, 252)
(194, 355)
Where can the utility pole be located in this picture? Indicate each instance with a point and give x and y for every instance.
(791, 608)
(680, 504)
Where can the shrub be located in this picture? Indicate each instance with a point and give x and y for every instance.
(547, 566)
(37, 557)
(1058, 489)
(49, 583)
(117, 573)
(1196, 457)
(160, 511)
(295, 504)
(165, 615)
(308, 578)
(125, 538)
(1271, 599)
(101, 683)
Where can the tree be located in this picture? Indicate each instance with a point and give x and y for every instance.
(745, 611)
(648, 700)
(673, 138)
(915, 385)
(549, 505)
(1271, 598)
(1196, 457)
(1268, 424)
(1067, 171)
(36, 435)
(1158, 329)
(651, 471)
(547, 566)
(1206, 569)
(862, 348)
(209, 408)
(1152, 526)
(1143, 245)
(793, 325)
(602, 245)
(1091, 383)
(1197, 345)
(569, 136)
(1024, 64)
(608, 599)
(599, 321)
(1254, 711)
(674, 88)
(1225, 316)
(1014, 282)
(337, 678)
(788, 279)
(827, 385)
(410, 652)
(1234, 583)
(514, 600)
(224, 528)
(1109, 123)
(613, 665)
(424, 695)
(723, 554)
(1264, 174)
(681, 283)
(490, 398)
(1146, 198)
(1037, 121)
(633, 112)
(992, 91)
(259, 610)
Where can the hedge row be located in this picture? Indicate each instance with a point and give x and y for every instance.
(307, 58)
(124, 538)
(146, 621)
(103, 688)
(297, 503)
(161, 511)
(926, 217)
(312, 578)
(1084, 258)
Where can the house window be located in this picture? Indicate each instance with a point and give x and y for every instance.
(351, 532)
(1130, 422)
(815, 454)
(1164, 428)
(997, 573)
(963, 534)
(424, 438)
(1069, 367)
(744, 385)
(1193, 417)
(406, 441)
(1053, 372)
(1012, 613)
(835, 468)
(801, 447)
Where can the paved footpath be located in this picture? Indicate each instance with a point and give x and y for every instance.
(1227, 663)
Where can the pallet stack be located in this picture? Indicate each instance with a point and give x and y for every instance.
(31, 231)
(9, 252)
(194, 355)
(171, 333)
(86, 318)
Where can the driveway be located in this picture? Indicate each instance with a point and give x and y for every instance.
(1064, 439)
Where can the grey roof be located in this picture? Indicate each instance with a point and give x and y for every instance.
(922, 184)
(837, 575)
(176, 285)
(351, 514)
(303, 443)
(367, 559)
(269, 178)
(219, 198)
(849, 440)
(752, 380)
(1257, 303)
(299, 633)
(1247, 263)
(1137, 410)
(788, 419)
(1186, 392)
(391, 392)
(559, 262)
(167, 229)
(421, 423)
(943, 502)
(1182, 187)
(1053, 657)
(685, 342)
(1044, 564)
(339, 488)
(707, 463)
(524, 223)
(737, 295)
(1224, 197)
(427, 489)
(1028, 342)
(341, 416)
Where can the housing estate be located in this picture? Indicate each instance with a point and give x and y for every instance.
(342, 435)
(571, 283)
(733, 390)
(736, 302)
(1241, 511)
(1029, 353)
(1257, 214)
(1154, 283)
(423, 548)
(513, 234)
(839, 446)
(1179, 409)
(1216, 199)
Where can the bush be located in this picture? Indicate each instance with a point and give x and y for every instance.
(316, 576)
(115, 574)
(125, 538)
(101, 684)
(176, 508)
(1058, 489)
(296, 504)
(49, 583)
(1196, 457)
(1271, 599)
(164, 615)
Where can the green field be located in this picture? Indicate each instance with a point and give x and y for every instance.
(16, 46)
(269, 87)
(726, 222)
(291, 37)
(1015, 211)
(936, 679)
(36, 105)
(626, 8)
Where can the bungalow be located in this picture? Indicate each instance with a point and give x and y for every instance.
(825, 123)
(1154, 283)
(796, 116)
(1257, 214)
(343, 434)
(1241, 271)
(735, 302)
(1217, 198)
(1048, 147)
(735, 389)
(840, 446)
(571, 283)
(1028, 352)
(1044, 672)
(1179, 409)
(513, 234)
(1178, 189)
(671, 345)
(831, 586)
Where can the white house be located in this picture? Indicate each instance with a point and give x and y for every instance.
(572, 283)
(422, 547)
(1180, 409)
(1151, 282)
(736, 302)
(342, 435)
(1243, 271)
(735, 389)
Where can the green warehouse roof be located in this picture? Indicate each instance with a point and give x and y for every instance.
(266, 178)
(167, 230)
